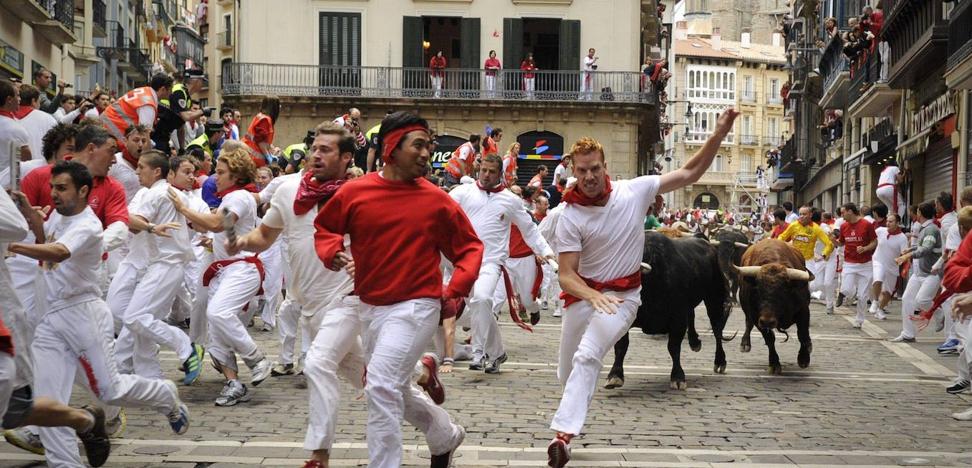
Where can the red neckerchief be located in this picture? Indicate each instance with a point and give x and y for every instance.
(495, 189)
(8, 114)
(128, 156)
(574, 195)
(248, 187)
(22, 112)
(310, 192)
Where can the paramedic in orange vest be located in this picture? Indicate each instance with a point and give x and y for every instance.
(463, 161)
(138, 106)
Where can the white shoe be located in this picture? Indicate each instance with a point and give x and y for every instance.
(260, 371)
(874, 308)
(558, 312)
(858, 323)
(880, 314)
(964, 415)
(902, 339)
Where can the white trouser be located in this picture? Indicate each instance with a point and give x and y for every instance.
(272, 282)
(523, 273)
(120, 293)
(887, 275)
(855, 280)
(287, 328)
(394, 337)
(336, 350)
(8, 374)
(825, 278)
(551, 285)
(229, 292)
(437, 85)
(587, 86)
(886, 195)
(16, 321)
(917, 297)
(151, 302)
(963, 330)
(198, 322)
(79, 338)
(529, 85)
(585, 338)
(490, 85)
(485, 329)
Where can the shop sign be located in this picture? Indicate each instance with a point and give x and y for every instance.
(929, 114)
(11, 59)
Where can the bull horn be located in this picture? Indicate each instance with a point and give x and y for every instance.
(747, 270)
(714, 242)
(797, 274)
(645, 268)
(742, 244)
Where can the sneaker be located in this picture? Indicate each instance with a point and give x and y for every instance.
(24, 439)
(558, 312)
(949, 347)
(858, 323)
(830, 310)
(193, 365)
(267, 327)
(558, 452)
(233, 392)
(432, 385)
(477, 364)
(873, 309)
(282, 369)
(962, 386)
(534, 318)
(840, 299)
(880, 314)
(494, 367)
(902, 339)
(95, 441)
(964, 415)
(544, 305)
(116, 426)
(445, 460)
(179, 416)
(260, 371)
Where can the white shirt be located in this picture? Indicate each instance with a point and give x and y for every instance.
(888, 175)
(561, 172)
(267, 193)
(954, 238)
(125, 174)
(466, 150)
(309, 282)
(793, 216)
(548, 226)
(242, 204)
(610, 238)
(140, 249)
(37, 123)
(948, 220)
(491, 215)
(156, 208)
(77, 279)
(92, 113)
(889, 247)
(11, 131)
(13, 228)
(588, 64)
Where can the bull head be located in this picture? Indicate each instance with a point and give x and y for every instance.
(774, 291)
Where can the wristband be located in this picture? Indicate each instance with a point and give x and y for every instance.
(151, 229)
(448, 360)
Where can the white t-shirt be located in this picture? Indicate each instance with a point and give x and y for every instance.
(548, 226)
(588, 64)
(610, 238)
(242, 204)
(793, 216)
(37, 123)
(947, 221)
(954, 238)
(491, 215)
(888, 175)
(77, 279)
(140, 249)
(11, 131)
(125, 174)
(561, 172)
(92, 113)
(156, 208)
(310, 283)
(889, 247)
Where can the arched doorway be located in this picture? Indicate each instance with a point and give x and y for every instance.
(706, 201)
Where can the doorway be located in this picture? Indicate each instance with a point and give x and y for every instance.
(542, 37)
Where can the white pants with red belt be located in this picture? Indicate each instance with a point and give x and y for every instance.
(887, 196)
(198, 322)
(394, 337)
(586, 337)
(523, 273)
(119, 296)
(229, 292)
(79, 339)
(486, 333)
(917, 296)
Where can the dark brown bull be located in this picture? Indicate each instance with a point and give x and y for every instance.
(775, 294)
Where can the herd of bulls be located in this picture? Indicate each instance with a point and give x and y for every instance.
(768, 279)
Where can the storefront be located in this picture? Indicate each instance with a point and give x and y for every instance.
(538, 148)
(445, 146)
(928, 154)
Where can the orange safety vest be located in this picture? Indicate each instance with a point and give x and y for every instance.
(124, 112)
(457, 167)
(509, 174)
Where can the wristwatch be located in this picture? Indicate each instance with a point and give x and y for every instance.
(151, 229)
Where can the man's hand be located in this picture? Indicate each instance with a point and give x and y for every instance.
(724, 124)
(233, 248)
(605, 304)
(176, 200)
(900, 260)
(162, 230)
(962, 307)
(920, 322)
(343, 261)
(32, 214)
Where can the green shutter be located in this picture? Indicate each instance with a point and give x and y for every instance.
(413, 55)
(469, 40)
(570, 46)
(512, 43)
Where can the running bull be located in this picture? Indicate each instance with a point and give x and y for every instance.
(677, 275)
(775, 294)
(731, 244)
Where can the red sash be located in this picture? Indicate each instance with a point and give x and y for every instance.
(620, 284)
(514, 301)
(894, 197)
(216, 267)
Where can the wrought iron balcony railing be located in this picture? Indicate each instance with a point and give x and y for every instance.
(865, 71)
(396, 82)
(99, 18)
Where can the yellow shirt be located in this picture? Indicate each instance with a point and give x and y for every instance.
(805, 238)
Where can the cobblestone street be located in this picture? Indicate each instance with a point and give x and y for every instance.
(863, 401)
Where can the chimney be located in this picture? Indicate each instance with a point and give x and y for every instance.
(746, 39)
(777, 39)
(681, 30)
(716, 39)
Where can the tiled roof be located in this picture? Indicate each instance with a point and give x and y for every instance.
(702, 47)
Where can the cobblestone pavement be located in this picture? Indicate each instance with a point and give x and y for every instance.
(863, 401)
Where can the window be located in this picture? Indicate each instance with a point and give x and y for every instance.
(340, 39)
(710, 83)
(749, 92)
(746, 163)
(774, 91)
(703, 123)
(747, 130)
(773, 131)
(717, 164)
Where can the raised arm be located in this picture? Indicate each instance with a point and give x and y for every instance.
(692, 171)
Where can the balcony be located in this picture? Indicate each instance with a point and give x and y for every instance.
(918, 36)
(781, 175)
(99, 23)
(30, 11)
(712, 177)
(958, 74)
(698, 137)
(189, 47)
(869, 95)
(773, 140)
(224, 40)
(166, 11)
(835, 69)
(751, 140)
(748, 98)
(774, 100)
(60, 28)
(242, 79)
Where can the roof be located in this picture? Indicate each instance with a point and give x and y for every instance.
(702, 47)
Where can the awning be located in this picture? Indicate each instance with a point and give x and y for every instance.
(855, 155)
(909, 141)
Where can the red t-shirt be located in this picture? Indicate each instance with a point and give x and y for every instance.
(518, 246)
(437, 65)
(106, 199)
(528, 67)
(958, 270)
(777, 230)
(854, 235)
(398, 231)
(492, 62)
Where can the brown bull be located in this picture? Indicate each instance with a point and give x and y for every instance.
(775, 294)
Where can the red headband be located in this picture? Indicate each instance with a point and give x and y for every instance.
(390, 142)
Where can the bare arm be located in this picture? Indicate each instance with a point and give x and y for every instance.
(371, 159)
(202, 222)
(44, 252)
(573, 284)
(692, 171)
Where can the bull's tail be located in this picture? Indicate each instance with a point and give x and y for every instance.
(785, 334)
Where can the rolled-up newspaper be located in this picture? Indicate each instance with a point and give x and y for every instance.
(229, 227)
(14, 166)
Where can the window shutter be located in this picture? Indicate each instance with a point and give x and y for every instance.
(570, 46)
(512, 43)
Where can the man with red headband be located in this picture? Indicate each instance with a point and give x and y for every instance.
(601, 242)
(397, 210)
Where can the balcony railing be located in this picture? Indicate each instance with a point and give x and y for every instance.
(717, 177)
(775, 99)
(702, 136)
(864, 72)
(833, 62)
(63, 12)
(748, 139)
(189, 46)
(116, 35)
(959, 34)
(918, 35)
(394, 82)
(224, 40)
(99, 18)
(773, 140)
(748, 97)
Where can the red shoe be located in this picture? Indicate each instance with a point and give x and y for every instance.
(558, 452)
(432, 385)
(313, 464)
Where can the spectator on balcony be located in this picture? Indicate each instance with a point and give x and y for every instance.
(588, 67)
(437, 72)
(259, 135)
(42, 79)
(528, 66)
(830, 27)
(492, 66)
(785, 94)
(872, 20)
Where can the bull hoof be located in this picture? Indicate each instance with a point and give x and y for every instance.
(803, 361)
(696, 346)
(774, 369)
(745, 347)
(720, 369)
(676, 385)
(614, 382)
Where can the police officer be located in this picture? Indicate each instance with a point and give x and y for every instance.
(176, 111)
(207, 145)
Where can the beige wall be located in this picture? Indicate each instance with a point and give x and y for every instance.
(288, 35)
(36, 47)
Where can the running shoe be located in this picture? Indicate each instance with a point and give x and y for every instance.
(116, 426)
(445, 460)
(433, 386)
(902, 339)
(949, 347)
(179, 416)
(558, 452)
(260, 371)
(233, 392)
(964, 415)
(95, 441)
(282, 369)
(477, 364)
(494, 367)
(25, 440)
(961, 386)
(193, 364)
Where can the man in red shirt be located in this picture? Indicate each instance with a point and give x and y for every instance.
(529, 67)
(859, 240)
(437, 72)
(398, 211)
(779, 218)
